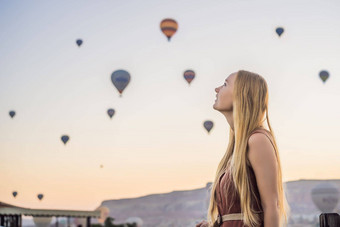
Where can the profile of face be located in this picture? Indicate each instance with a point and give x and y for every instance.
(224, 95)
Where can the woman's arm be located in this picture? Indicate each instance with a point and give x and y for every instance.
(271, 216)
(263, 160)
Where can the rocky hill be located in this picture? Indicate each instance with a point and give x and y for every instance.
(186, 208)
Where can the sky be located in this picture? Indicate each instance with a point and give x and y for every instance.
(155, 142)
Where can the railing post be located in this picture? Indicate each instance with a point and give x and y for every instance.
(88, 222)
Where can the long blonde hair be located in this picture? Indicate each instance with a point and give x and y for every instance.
(250, 104)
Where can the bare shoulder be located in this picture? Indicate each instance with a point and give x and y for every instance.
(259, 139)
(262, 158)
(260, 148)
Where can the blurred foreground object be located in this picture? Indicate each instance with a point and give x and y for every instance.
(329, 220)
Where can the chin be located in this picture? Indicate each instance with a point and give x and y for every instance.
(214, 106)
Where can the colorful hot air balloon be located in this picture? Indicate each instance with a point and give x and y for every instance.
(324, 75)
(14, 194)
(79, 42)
(279, 31)
(120, 79)
(65, 138)
(189, 75)
(325, 196)
(40, 196)
(110, 112)
(208, 125)
(12, 113)
(169, 27)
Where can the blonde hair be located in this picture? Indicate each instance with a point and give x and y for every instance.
(250, 104)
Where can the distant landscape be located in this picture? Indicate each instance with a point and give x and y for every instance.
(186, 208)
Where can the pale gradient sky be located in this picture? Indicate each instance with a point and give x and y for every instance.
(156, 142)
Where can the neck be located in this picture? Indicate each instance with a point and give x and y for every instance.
(230, 119)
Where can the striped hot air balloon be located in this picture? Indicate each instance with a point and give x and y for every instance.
(169, 27)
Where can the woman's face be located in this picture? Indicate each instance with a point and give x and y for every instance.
(224, 96)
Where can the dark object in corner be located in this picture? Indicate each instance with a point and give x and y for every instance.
(329, 220)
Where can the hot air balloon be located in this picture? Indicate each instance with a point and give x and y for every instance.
(120, 79)
(14, 194)
(279, 31)
(208, 125)
(169, 27)
(12, 113)
(79, 42)
(110, 112)
(65, 138)
(40, 196)
(324, 75)
(189, 75)
(325, 196)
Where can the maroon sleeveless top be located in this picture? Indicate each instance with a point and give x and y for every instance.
(231, 204)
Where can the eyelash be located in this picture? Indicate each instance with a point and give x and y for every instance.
(225, 84)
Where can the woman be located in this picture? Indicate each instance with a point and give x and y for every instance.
(248, 189)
